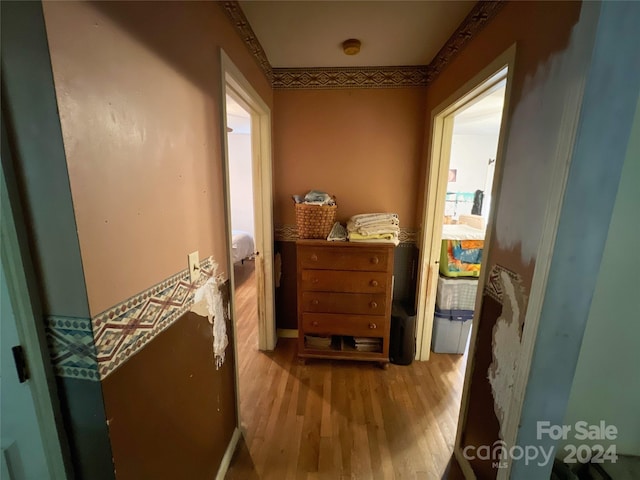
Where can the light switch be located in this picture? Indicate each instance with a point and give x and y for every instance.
(194, 266)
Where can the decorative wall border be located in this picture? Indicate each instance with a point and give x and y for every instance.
(239, 20)
(289, 233)
(493, 287)
(350, 77)
(71, 347)
(478, 17)
(123, 330)
(362, 77)
(91, 349)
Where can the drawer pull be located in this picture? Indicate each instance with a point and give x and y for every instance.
(314, 280)
(314, 257)
(373, 305)
(315, 301)
(315, 323)
(375, 260)
(374, 283)
(373, 326)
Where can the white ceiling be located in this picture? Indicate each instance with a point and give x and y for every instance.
(482, 117)
(238, 119)
(305, 33)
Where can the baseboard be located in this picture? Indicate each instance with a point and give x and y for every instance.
(287, 332)
(228, 454)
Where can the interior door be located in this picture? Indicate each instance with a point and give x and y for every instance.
(23, 456)
(32, 438)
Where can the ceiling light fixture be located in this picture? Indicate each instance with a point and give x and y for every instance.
(351, 46)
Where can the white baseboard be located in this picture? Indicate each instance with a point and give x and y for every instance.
(287, 332)
(228, 454)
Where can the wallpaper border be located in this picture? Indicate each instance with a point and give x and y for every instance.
(362, 77)
(237, 17)
(124, 329)
(350, 77)
(93, 348)
(71, 347)
(493, 286)
(475, 21)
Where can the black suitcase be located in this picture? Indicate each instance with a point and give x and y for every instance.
(402, 341)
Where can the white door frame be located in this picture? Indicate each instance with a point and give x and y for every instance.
(479, 86)
(31, 332)
(235, 84)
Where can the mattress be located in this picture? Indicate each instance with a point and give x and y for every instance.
(461, 232)
(242, 245)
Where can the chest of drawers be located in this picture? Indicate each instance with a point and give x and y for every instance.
(344, 300)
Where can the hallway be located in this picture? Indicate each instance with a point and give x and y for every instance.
(339, 419)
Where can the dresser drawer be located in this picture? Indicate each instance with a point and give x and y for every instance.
(343, 258)
(349, 303)
(344, 281)
(352, 325)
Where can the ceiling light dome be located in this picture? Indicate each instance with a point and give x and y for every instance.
(351, 46)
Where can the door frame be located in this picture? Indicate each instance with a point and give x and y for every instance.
(559, 176)
(25, 302)
(235, 84)
(479, 86)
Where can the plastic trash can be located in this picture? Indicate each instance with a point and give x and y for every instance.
(402, 341)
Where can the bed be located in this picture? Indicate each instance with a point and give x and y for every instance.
(242, 246)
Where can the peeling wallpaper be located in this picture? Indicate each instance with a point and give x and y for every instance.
(506, 346)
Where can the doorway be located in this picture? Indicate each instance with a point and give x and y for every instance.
(257, 147)
(243, 250)
(461, 182)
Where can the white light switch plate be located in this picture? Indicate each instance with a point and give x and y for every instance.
(194, 266)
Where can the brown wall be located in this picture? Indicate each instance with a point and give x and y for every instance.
(540, 30)
(171, 415)
(138, 93)
(542, 33)
(362, 145)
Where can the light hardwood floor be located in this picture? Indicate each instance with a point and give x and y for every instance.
(338, 420)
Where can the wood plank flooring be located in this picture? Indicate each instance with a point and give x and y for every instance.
(339, 420)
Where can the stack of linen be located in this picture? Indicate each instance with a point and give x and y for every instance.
(317, 341)
(374, 228)
(366, 344)
(315, 197)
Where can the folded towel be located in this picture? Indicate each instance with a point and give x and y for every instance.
(379, 236)
(395, 241)
(373, 229)
(369, 218)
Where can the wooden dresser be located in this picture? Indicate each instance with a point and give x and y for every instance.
(344, 292)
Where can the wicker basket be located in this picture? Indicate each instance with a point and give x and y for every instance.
(315, 221)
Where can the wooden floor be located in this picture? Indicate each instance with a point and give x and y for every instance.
(338, 420)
